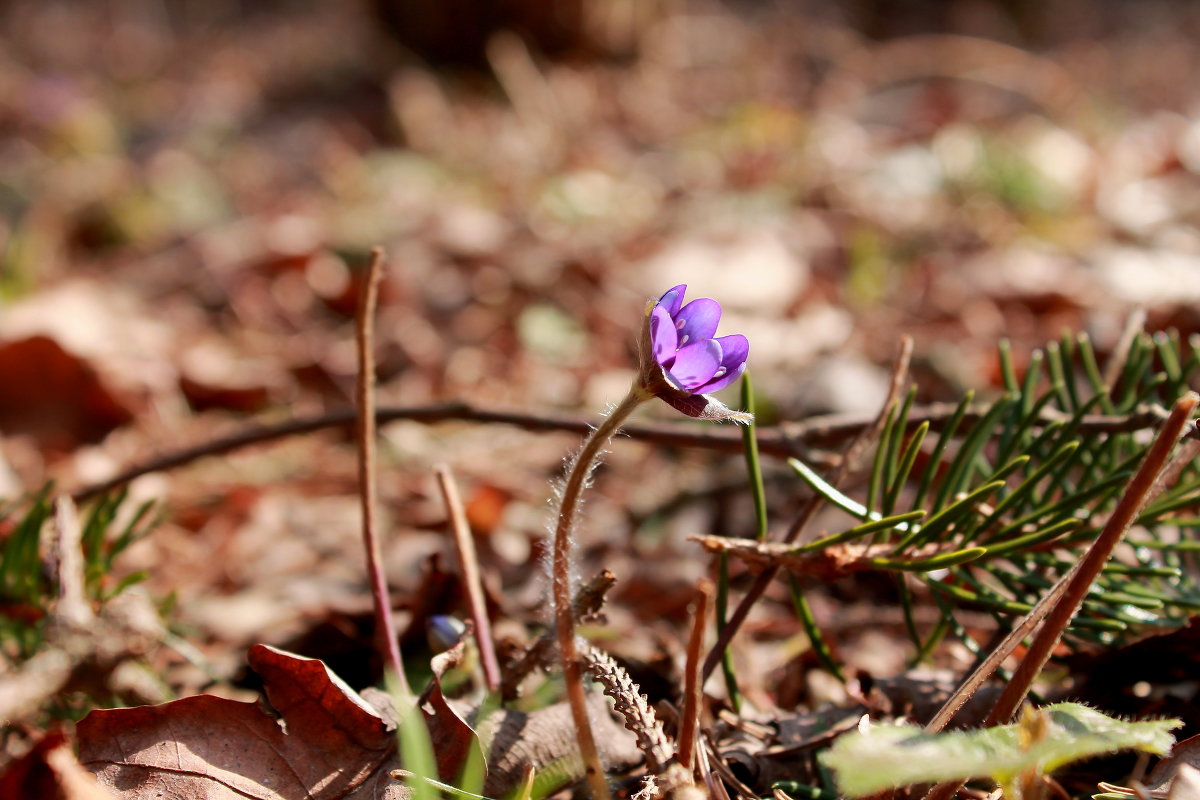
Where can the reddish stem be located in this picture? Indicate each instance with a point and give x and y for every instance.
(385, 626)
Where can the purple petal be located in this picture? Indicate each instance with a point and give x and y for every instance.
(724, 379)
(698, 320)
(663, 338)
(734, 351)
(695, 364)
(672, 299)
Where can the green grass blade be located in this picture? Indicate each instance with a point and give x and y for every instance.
(819, 645)
(941, 561)
(1034, 539)
(878, 479)
(898, 521)
(939, 449)
(906, 461)
(753, 463)
(830, 492)
(963, 466)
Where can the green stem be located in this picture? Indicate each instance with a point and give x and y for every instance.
(562, 569)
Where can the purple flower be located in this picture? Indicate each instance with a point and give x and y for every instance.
(681, 361)
(681, 337)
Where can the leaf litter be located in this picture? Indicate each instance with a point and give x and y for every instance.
(191, 204)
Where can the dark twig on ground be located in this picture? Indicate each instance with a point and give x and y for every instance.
(794, 439)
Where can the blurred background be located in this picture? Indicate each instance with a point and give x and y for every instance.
(189, 190)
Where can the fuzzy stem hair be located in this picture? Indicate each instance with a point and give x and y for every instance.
(561, 572)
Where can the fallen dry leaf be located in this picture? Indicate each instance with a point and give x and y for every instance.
(55, 396)
(50, 770)
(328, 744)
(451, 736)
(1181, 763)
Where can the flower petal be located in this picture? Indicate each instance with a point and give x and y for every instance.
(672, 299)
(734, 351)
(698, 320)
(663, 338)
(695, 364)
(722, 380)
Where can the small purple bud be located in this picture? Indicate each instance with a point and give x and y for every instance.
(443, 631)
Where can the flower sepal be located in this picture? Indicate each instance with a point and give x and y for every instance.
(702, 406)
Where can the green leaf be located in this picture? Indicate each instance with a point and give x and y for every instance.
(885, 757)
(907, 459)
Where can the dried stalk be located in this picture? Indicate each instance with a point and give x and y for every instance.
(385, 626)
(689, 723)
(464, 545)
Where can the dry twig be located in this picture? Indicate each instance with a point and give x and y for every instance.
(792, 439)
(689, 723)
(468, 562)
(389, 642)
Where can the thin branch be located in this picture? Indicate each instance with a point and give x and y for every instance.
(464, 545)
(385, 626)
(793, 439)
(866, 434)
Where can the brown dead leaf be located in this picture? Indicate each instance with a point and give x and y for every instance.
(55, 396)
(206, 396)
(452, 738)
(50, 771)
(827, 565)
(1181, 764)
(213, 375)
(1186, 783)
(327, 744)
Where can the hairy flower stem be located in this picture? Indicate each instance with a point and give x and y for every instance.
(561, 584)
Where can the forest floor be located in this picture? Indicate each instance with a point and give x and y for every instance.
(191, 192)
